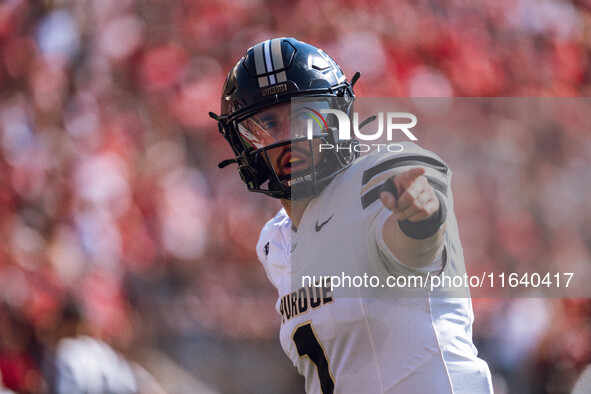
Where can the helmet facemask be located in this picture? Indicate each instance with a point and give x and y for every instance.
(283, 144)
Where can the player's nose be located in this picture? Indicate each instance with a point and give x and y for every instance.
(283, 130)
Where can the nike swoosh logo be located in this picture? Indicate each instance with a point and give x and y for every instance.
(319, 226)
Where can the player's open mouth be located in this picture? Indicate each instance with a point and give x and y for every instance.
(293, 161)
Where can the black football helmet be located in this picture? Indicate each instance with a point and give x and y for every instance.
(271, 73)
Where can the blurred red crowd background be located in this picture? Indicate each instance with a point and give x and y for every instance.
(110, 194)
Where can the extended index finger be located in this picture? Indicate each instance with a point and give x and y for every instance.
(406, 178)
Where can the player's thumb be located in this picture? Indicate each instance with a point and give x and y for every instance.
(389, 193)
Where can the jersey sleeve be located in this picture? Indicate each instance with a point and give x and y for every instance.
(395, 266)
(381, 169)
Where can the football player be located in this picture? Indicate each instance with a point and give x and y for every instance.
(383, 215)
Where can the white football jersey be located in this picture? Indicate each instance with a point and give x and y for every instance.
(370, 339)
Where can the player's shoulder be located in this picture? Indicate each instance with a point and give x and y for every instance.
(275, 230)
(274, 246)
(280, 220)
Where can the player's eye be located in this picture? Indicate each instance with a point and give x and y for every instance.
(271, 124)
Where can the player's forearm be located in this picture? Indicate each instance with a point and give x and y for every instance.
(412, 252)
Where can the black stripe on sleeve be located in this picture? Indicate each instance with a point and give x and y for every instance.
(374, 194)
(417, 160)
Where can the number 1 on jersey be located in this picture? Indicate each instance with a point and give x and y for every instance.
(308, 345)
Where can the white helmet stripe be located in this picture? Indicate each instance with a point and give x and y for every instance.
(278, 59)
(259, 62)
(268, 58)
(268, 62)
